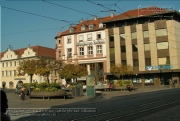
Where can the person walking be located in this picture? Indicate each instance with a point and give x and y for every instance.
(3, 85)
(4, 106)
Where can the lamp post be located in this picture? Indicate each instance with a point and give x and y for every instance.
(161, 77)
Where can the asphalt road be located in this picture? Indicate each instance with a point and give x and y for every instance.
(107, 106)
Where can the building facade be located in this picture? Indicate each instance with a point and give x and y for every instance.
(146, 38)
(149, 40)
(84, 44)
(10, 60)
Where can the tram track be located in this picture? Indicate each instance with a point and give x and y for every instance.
(128, 111)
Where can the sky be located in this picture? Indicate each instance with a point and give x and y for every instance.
(37, 22)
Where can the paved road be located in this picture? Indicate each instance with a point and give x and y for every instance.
(108, 105)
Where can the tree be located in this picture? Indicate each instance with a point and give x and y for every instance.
(45, 67)
(73, 71)
(121, 70)
(27, 67)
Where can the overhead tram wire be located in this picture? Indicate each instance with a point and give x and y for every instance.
(101, 5)
(67, 7)
(35, 14)
(30, 31)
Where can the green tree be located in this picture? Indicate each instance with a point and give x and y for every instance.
(27, 67)
(73, 71)
(121, 70)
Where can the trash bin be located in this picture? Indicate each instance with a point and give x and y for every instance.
(77, 90)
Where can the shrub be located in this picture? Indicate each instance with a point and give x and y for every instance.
(124, 83)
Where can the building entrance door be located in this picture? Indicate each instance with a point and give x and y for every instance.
(165, 79)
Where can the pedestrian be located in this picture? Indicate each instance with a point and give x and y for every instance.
(4, 106)
(4, 84)
(22, 93)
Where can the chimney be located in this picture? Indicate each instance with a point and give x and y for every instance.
(81, 20)
(95, 17)
(112, 14)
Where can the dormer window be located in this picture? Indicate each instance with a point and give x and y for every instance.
(91, 26)
(100, 25)
(71, 29)
(83, 28)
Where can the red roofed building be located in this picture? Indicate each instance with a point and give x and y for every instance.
(143, 37)
(10, 60)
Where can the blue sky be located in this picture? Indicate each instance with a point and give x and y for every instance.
(36, 22)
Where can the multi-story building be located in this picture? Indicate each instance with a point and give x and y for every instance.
(10, 60)
(84, 44)
(149, 40)
(146, 38)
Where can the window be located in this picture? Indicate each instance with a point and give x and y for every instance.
(123, 62)
(123, 49)
(148, 61)
(146, 34)
(81, 51)
(83, 27)
(90, 50)
(99, 36)
(134, 48)
(122, 37)
(69, 53)
(135, 63)
(2, 73)
(68, 39)
(59, 41)
(112, 50)
(99, 49)
(59, 54)
(162, 45)
(2, 64)
(80, 38)
(91, 26)
(71, 29)
(6, 64)
(164, 61)
(134, 35)
(10, 73)
(112, 63)
(146, 47)
(89, 37)
(111, 38)
(14, 72)
(161, 32)
(100, 25)
(10, 63)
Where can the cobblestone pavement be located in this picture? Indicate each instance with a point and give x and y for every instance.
(15, 102)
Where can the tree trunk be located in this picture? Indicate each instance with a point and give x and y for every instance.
(47, 79)
(31, 75)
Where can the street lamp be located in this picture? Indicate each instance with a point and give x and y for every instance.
(160, 76)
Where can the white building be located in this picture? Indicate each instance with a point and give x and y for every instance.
(10, 59)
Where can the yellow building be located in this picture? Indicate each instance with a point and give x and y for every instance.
(10, 60)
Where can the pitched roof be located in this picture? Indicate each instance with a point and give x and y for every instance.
(139, 13)
(126, 15)
(40, 50)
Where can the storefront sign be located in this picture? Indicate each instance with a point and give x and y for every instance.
(158, 67)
